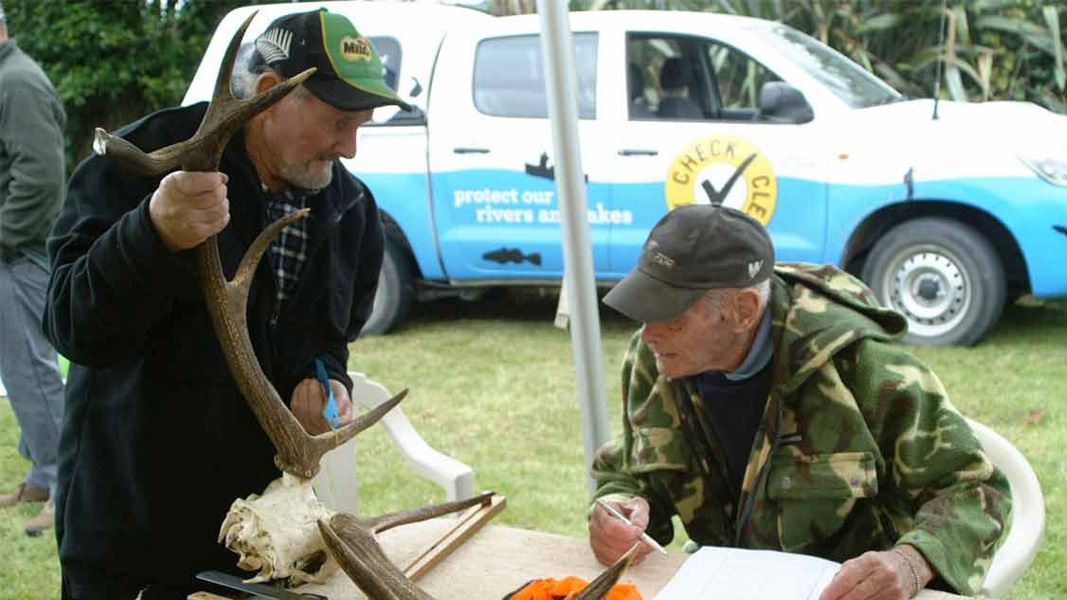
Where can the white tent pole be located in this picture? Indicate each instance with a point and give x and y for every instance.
(561, 80)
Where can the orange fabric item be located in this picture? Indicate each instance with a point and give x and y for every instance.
(561, 589)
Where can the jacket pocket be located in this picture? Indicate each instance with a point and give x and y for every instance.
(816, 494)
(823, 476)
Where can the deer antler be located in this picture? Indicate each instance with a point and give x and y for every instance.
(352, 543)
(599, 587)
(298, 452)
(224, 116)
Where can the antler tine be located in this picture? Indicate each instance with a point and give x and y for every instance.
(599, 587)
(414, 515)
(352, 543)
(242, 280)
(298, 452)
(364, 561)
(133, 158)
(225, 114)
(225, 74)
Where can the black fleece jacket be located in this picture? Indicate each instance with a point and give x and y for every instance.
(157, 440)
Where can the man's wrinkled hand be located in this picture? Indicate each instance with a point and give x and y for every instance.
(308, 400)
(610, 537)
(189, 207)
(878, 576)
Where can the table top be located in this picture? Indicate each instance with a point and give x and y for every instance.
(498, 560)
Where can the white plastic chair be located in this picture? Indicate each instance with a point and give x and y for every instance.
(335, 484)
(1028, 513)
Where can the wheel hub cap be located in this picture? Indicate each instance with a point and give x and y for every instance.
(931, 290)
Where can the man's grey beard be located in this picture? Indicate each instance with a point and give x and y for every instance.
(302, 177)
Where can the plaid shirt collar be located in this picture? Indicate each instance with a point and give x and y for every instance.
(288, 251)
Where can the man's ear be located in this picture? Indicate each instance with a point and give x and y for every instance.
(746, 309)
(265, 81)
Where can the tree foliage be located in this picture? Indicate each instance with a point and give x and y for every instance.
(113, 61)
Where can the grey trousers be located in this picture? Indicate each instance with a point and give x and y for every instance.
(29, 370)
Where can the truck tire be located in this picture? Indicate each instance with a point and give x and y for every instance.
(396, 289)
(943, 276)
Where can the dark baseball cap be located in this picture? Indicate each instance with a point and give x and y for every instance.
(349, 72)
(691, 250)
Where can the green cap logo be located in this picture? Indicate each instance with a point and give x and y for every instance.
(355, 48)
(350, 75)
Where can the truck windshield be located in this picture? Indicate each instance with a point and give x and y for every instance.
(858, 88)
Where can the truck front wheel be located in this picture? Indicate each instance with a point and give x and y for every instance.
(395, 290)
(942, 275)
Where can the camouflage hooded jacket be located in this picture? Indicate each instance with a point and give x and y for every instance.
(859, 447)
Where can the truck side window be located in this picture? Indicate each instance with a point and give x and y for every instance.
(509, 79)
(666, 78)
(739, 80)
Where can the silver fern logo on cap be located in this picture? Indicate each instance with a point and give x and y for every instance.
(274, 45)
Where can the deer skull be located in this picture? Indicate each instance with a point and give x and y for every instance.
(276, 536)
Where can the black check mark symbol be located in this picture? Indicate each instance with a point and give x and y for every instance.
(716, 197)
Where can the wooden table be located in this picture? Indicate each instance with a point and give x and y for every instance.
(499, 560)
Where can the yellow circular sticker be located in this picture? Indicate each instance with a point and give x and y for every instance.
(723, 170)
(355, 48)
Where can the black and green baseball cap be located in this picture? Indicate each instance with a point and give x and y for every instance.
(349, 72)
(691, 250)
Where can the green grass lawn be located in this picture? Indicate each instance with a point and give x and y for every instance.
(493, 384)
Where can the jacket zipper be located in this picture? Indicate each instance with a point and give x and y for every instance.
(745, 514)
(697, 439)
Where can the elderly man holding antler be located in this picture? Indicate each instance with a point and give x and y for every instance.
(159, 440)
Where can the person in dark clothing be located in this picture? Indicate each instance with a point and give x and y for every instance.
(31, 190)
(158, 441)
(675, 78)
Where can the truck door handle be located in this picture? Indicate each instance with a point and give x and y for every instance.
(637, 152)
(470, 150)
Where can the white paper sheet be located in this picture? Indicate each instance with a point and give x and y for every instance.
(714, 573)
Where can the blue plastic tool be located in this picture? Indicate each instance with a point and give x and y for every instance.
(329, 411)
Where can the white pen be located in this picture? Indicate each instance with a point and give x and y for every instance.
(618, 515)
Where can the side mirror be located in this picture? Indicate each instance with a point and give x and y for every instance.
(780, 102)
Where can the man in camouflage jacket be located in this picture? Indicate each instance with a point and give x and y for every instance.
(855, 454)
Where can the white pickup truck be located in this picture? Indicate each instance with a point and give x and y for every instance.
(947, 218)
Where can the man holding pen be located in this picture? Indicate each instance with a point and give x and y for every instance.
(767, 407)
